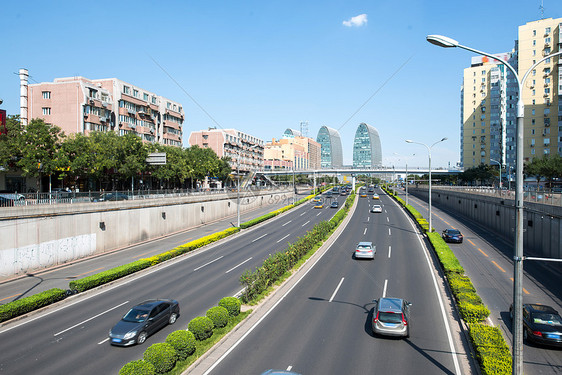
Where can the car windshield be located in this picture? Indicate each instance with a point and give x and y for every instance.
(390, 317)
(136, 316)
(453, 232)
(547, 319)
(364, 247)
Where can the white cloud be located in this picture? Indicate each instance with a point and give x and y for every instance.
(356, 21)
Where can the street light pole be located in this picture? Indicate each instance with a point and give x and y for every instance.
(429, 154)
(495, 161)
(517, 352)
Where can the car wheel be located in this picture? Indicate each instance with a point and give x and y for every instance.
(408, 333)
(173, 318)
(142, 338)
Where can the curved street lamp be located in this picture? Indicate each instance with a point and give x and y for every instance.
(429, 154)
(517, 362)
(500, 165)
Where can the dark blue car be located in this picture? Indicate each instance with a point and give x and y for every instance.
(452, 235)
(143, 320)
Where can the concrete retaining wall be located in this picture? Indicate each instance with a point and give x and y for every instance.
(37, 237)
(542, 224)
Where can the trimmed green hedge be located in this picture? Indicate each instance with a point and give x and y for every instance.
(491, 350)
(105, 277)
(231, 304)
(27, 304)
(183, 343)
(140, 367)
(219, 316)
(277, 264)
(446, 256)
(202, 327)
(162, 356)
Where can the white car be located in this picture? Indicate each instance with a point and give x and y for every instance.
(365, 250)
(376, 208)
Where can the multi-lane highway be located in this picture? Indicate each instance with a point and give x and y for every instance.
(71, 337)
(323, 325)
(487, 260)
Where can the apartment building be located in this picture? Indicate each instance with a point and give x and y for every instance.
(244, 150)
(489, 97)
(81, 105)
(286, 153)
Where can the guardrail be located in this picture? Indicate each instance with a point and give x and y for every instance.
(8, 200)
(544, 197)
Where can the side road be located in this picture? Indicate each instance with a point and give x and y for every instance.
(58, 277)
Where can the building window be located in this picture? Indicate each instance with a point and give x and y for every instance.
(546, 141)
(534, 32)
(533, 112)
(534, 42)
(126, 90)
(46, 111)
(46, 94)
(547, 30)
(135, 93)
(547, 111)
(532, 131)
(534, 52)
(145, 96)
(168, 105)
(532, 121)
(153, 100)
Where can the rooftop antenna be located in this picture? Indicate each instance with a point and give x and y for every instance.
(541, 8)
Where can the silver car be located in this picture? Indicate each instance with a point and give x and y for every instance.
(391, 317)
(365, 250)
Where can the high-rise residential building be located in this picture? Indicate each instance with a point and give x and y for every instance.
(331, 155)
(543, 123)
(244, 150)
(489, 98)
(81, 105)
(292, 152)
(367, 152)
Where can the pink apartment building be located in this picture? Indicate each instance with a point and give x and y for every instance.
(81, 105)
(245, 151)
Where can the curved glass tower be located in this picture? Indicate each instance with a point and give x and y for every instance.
(367, 152)
(331, 155)
(291, 133)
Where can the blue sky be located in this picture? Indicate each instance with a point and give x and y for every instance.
(264, 66)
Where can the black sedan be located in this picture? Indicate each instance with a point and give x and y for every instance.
(541, 324)
(114, 197)
(143, 320)
(452, 235)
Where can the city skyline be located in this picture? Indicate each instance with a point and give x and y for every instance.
(262, 68)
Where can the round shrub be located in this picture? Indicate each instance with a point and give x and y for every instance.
(162, 356)
(231, 304)
(202, 327)
(140, 367)
(183, 343)
(219, 316)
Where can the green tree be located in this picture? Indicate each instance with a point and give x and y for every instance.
(38, 146)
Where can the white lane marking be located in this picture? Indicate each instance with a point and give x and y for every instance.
(302, 213)
(389, 250)
(93, 317)
(441, 304)
(365, 231)
(289, 368)
(283, 238)
(259, 238)
(387, 220)
(101, 342)
(305, 223)
(384, 288)
(389, 232)
(264, 316)
(337, 288)
(368, 217)
(318, 214)
(238, 265)
(286, 223)
(206, 264)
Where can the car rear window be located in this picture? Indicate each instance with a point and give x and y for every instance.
(390, 317)
(548, 319)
